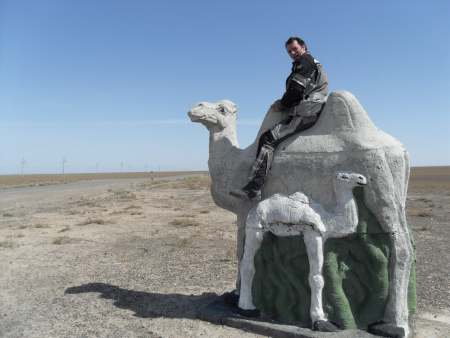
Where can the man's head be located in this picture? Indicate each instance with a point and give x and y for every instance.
(295, 47)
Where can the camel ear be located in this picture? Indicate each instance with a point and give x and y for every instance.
(230, 106)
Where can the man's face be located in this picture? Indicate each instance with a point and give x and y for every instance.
(295, 51)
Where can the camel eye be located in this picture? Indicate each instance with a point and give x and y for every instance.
(345, 177)
(221, 109)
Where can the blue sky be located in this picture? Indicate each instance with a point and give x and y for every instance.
(107, 82)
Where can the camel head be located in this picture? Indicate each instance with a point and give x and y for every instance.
(350, 180)
(217, 116)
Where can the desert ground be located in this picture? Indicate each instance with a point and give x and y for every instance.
(136, 255)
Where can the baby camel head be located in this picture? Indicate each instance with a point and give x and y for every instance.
(214, 115)
(350, 180)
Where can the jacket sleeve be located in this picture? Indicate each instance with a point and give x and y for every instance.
(297, 82)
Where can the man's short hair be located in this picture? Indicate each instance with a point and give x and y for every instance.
(296, 38)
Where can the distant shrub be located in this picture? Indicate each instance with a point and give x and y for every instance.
(183, 222)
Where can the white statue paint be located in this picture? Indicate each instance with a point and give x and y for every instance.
(294, 215)
(344, 138)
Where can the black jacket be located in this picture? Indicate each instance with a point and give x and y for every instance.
(306, 78)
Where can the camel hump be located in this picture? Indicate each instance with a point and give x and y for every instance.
(343, 113)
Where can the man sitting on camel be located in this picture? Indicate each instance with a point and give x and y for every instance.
(306, 92)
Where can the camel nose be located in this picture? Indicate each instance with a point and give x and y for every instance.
(362, 180)
(190, 114)
(194, 115)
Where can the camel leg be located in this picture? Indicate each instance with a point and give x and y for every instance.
(400, 264)
(254, 234)
(395, 320)
(314, 249)
(390, 211)
(240, 248)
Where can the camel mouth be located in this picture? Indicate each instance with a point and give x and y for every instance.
(202, 117)
(195, 117)
(361, 183)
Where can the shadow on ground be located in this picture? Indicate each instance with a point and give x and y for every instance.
(147, 304)
(208, 307)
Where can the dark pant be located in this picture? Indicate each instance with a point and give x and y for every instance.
(267, 144)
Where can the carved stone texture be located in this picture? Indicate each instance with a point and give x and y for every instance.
(367, 275)
(294, 215)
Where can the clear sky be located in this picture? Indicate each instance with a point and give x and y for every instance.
(107, 82)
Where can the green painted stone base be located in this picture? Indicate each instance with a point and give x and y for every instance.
(355, 271)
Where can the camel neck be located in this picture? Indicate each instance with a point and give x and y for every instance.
(221, 142)
(347, 205)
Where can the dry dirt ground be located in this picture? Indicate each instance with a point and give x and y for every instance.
(136, 257)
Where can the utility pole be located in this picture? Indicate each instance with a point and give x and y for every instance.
(64, 161)
(22, 165)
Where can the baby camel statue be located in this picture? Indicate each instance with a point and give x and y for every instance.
(294, 215)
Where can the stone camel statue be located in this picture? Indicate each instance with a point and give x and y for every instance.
(294, 215)
(344, 138)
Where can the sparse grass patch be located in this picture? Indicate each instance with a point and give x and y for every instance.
(43, 179)
(41, 226)
(66, 240)
(92, 221)
(117, 212)
(197, 182)
(204, 211)
(184, 242)
(66, 228)
(61, 240)
(21, 227)
(424, 199)
(7, 214)
(154, 184)
(200, 182)
(425, 214)
(7, 244)
(164, 206)
(132, 206)
(420, 212)
(86, 202)
(122, 194)
(183, 222)
(179, 243)
(425, 227)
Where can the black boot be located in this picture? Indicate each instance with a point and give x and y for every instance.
(248, 313)
(386, 330)
(230, 298)
(325, 326)
(244, 194)
(260, 169)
